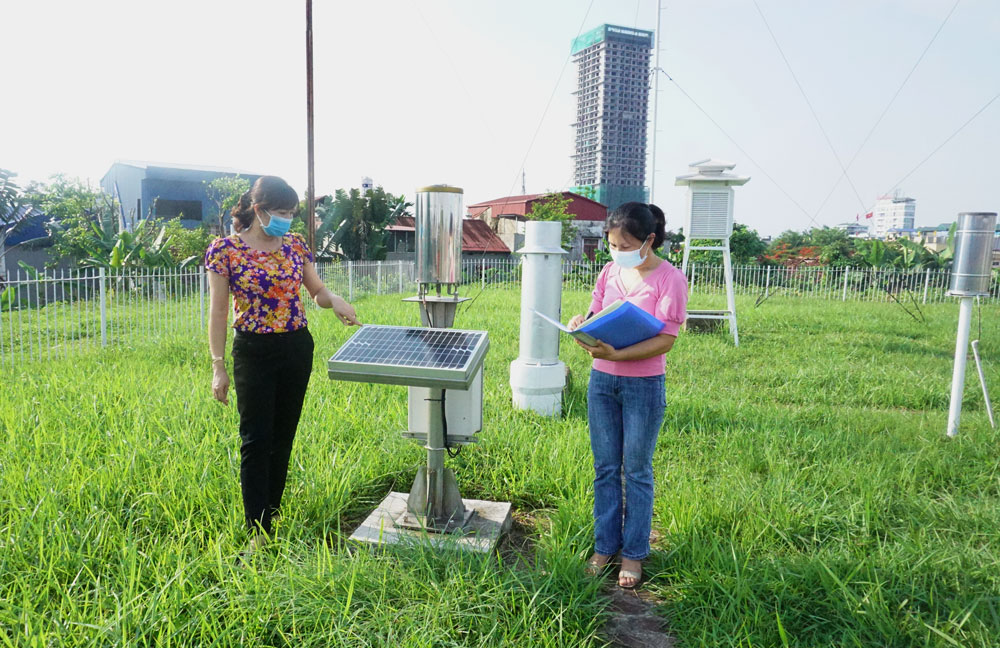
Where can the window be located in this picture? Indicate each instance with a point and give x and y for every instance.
(167, 209)
(590, 246)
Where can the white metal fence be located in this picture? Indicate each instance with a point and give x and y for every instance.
(47, 315)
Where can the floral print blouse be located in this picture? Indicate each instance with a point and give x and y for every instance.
(265, 285)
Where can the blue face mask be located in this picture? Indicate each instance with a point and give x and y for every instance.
(278, 226)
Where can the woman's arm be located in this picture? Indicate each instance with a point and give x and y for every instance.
(324, 298)
(218, 287)
(654, 346)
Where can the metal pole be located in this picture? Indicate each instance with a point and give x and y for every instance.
(727, 265)
(311, 190)
(482, 275)
(847, 272)
(958, 374)
(435, 455)
(104, 311)
(927, 283)
(656, 103)
(378, 277)
(982, 381)
(201, 295)
(350, 282)
(767, 283)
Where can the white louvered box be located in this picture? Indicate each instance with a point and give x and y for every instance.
(710, 213)
(710, 199)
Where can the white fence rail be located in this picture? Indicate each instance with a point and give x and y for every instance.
(44, 316)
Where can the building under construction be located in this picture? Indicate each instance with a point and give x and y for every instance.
(612, 99)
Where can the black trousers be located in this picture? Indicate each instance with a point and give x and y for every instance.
(270, 374)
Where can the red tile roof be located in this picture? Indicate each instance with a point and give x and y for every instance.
(477, 236)
(581, 207)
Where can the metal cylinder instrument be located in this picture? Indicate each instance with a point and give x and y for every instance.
(971, 269)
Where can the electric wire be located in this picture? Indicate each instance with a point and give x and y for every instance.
(735, 143)
(812, 110)
(547, 105)
(887, 106)
(942, 144)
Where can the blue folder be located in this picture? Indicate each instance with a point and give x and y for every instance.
(626, 325)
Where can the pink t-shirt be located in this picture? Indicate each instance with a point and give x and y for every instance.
(663, 294)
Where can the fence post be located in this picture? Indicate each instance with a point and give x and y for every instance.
(692, 277)
(767, 283)
(927, 284)
(482, 274)
(400, 269)
(350, 281)
(201, 295)
(847, 272)
(104, 309)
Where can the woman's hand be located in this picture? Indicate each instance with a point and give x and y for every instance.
(220, 383)
(576, 321)
(345, 312)
(601, 351)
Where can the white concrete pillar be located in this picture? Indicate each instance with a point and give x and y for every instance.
(537, 377)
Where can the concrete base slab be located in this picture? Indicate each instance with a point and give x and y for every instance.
(492, 520)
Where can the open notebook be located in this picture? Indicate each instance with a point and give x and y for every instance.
(621, 324)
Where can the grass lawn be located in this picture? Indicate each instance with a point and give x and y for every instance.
(806, 496)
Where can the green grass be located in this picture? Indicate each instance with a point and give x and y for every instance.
(806, 496)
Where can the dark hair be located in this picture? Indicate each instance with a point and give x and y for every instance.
(270, 192)
(640, 220)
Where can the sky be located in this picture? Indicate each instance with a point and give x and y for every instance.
(469, 93)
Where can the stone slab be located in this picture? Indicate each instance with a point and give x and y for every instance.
(492, 520)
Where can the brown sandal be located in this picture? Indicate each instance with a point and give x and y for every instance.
(596, 567)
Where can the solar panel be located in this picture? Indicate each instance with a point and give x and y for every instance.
(401, 355)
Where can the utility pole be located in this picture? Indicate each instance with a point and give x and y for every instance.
(523, 192)
(311, 188)
(656, 103)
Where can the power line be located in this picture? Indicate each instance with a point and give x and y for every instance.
(735, 143)
(811, 109)
(888, 105)
(547, 105)
(941, 145)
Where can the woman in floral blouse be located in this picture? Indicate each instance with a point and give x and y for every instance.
(264, 266)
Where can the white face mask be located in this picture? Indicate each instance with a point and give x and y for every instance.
(629, 259)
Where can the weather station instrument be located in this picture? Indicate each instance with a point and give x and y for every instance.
(442, 369)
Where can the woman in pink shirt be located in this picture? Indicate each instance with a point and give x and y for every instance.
(626, 394)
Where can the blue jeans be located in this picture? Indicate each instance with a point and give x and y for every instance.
(625, 416)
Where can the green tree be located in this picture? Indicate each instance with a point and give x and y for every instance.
(792, 239)
(355, 224)
(186, 245)
(11, 204)
(76, 214)
(552, 207)
(835, 247)
(745, 246)
(225, 192)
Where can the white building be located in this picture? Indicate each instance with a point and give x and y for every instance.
(895, 212)
(854, 230)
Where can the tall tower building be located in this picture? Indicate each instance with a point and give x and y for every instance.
(612, 100)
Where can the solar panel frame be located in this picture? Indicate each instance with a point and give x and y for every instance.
(415, 356)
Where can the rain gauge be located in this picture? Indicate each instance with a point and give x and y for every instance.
(443, 371)
(970, 278)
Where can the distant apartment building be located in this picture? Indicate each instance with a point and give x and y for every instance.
(612, 100)
(895, 213)
(854, 230)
